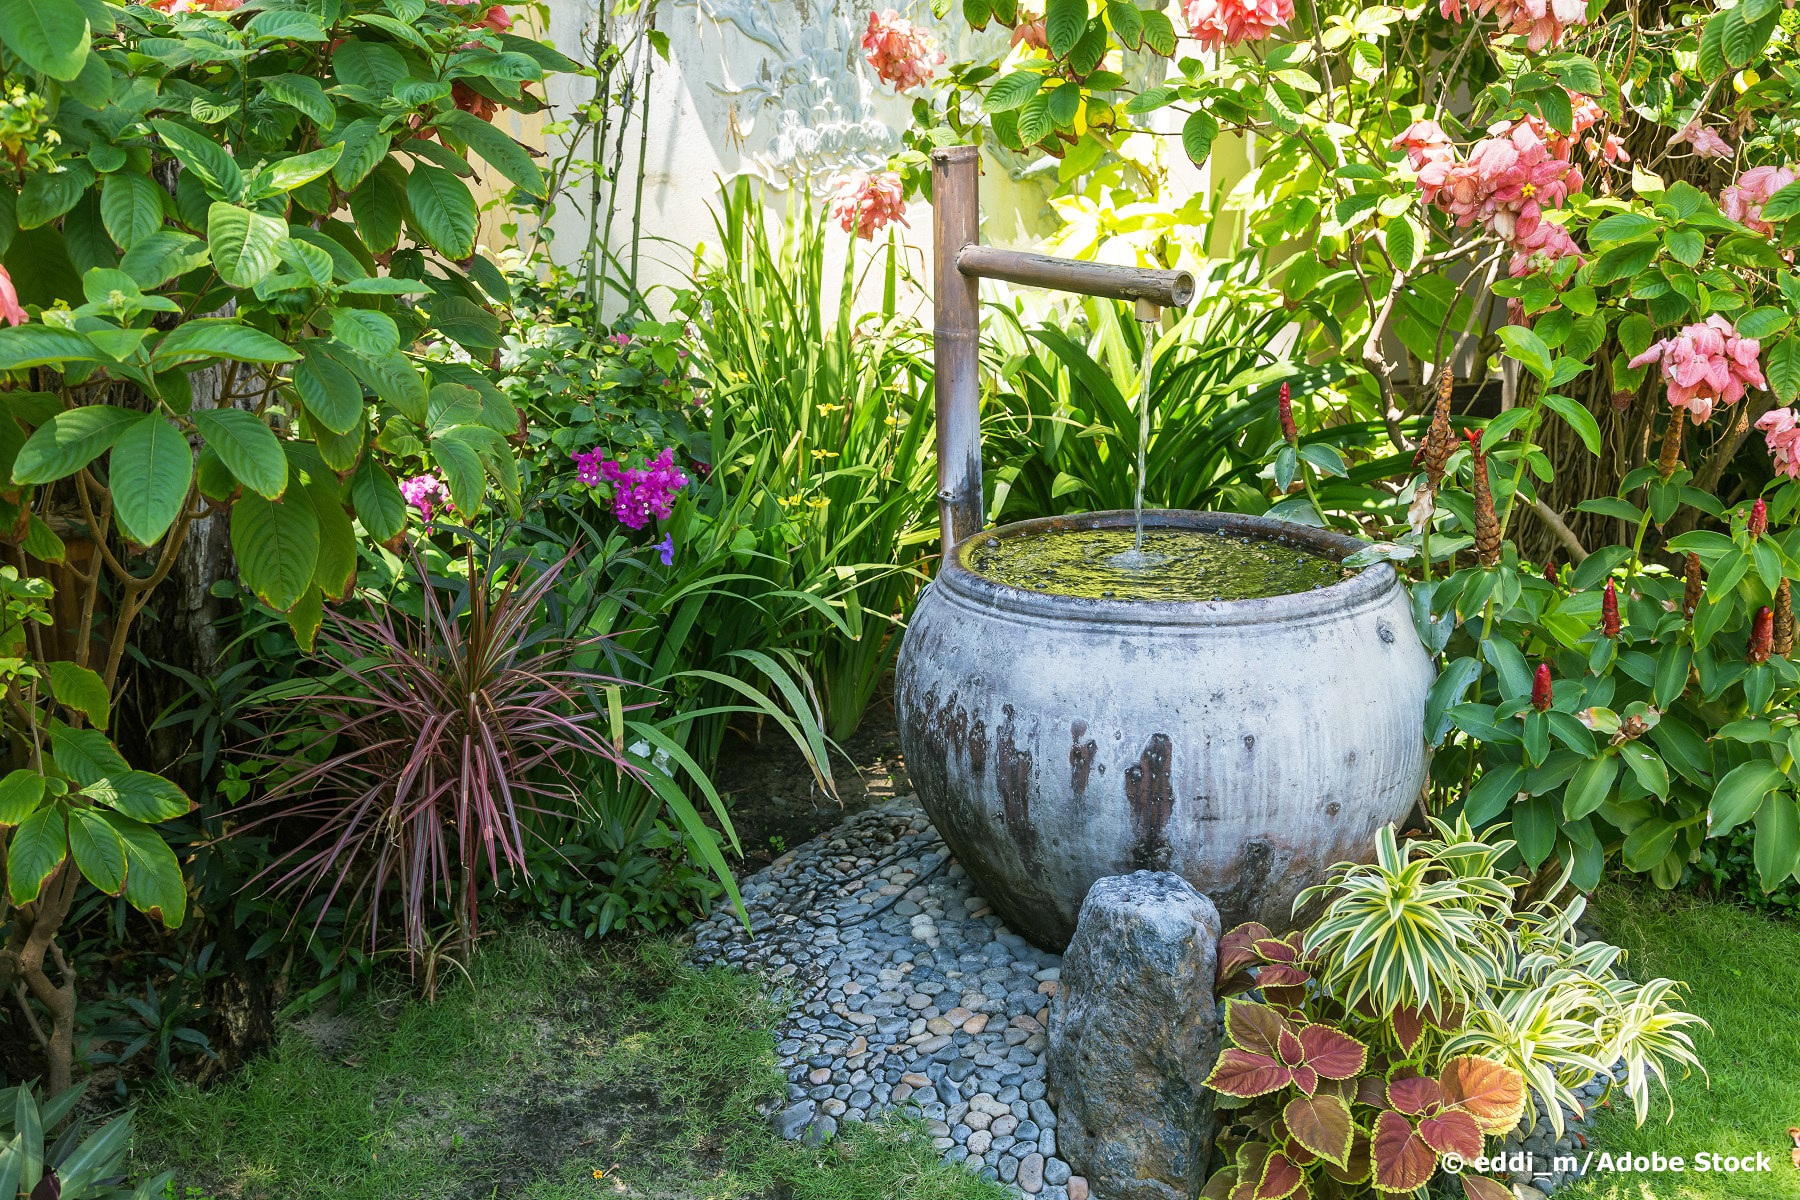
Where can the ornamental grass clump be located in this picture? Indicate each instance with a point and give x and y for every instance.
(1416, 1019)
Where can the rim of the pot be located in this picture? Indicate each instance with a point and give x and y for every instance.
(1366, 586)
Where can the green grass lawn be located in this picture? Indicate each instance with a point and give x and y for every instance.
(554, 1072)
(1744, 974)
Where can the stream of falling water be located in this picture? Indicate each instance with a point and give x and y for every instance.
(1135, 558)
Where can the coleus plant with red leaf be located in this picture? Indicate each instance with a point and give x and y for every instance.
(1320, 1113)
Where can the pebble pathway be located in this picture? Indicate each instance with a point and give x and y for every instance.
(907, 991)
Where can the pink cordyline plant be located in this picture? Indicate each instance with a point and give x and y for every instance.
(1743, 200)
(1541, 22)
(901, 53)
(1218, 23)
(1705, 142)
(866, 202)
(432, 735)
(1707, 363)
(1781, 431)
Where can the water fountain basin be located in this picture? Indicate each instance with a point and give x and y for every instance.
(1246, 745)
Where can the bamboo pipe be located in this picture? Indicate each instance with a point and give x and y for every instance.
(959, 262)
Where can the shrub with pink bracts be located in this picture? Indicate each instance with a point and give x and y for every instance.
(865, 202)
(1218, 23)
(1705, 142)
(1781, 431)
(1707, 363)
(1743, 201)
(901, 53)
(1541, 22)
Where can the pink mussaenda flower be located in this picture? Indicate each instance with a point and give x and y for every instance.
(1425, 142)
(1610, 148)
(1514, 173)
(1216, 23)
(426, 493)
(901, 53)
(1743, 201)
(1541, 22)
(864, 203)
(1705, 142)
(1781, 430)
(1705, 364)
(10, 309)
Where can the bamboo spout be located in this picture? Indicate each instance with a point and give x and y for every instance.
(959, 263)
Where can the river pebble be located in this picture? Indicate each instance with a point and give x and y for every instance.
(905, 992)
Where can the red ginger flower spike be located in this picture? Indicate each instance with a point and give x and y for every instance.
(1694, 580)
(1550, 572)
(1542, 693)
(1487, 523)
(1758, 524)
(1762, 636)
(1609, 611)
(1285, 407)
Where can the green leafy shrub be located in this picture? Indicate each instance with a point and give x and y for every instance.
(73, 1167)
(222, 251)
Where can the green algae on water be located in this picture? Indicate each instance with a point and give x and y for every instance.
(1175, 564)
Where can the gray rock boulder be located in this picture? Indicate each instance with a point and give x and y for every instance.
(1133, 1033)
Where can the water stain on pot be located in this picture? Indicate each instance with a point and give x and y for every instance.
(1151, 798)
(1081, 758)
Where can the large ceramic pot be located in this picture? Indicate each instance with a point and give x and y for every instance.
(1246, 745)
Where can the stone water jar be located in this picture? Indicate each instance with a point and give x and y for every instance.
(1245, 745)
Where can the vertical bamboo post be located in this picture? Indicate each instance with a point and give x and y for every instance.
(955, 208)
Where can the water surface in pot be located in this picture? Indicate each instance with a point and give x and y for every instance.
(1174, 564)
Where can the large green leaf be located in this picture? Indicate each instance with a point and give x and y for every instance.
(461, 465)
(290, 173)
(242, 243)
(51, 36)
(334, 570)
(85, 755)
(205, 157)
(38, 847)
(302, 93)
(1064, 23)
(277, 547)
(365, 148)
(443, 210)
(152, 467)
(42, 346)
(1740, 794)
(70, 441)
(496, 149)
(21, 792)
(331, 393)
(81, 689)
(98, 850)
(377, 500)
(141, 796)
(218, 337)
(248, 448)
(48, 195)
(1777, 850)
(131, 205)
(153, 883)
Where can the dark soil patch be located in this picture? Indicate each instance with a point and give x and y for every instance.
(776, 804)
